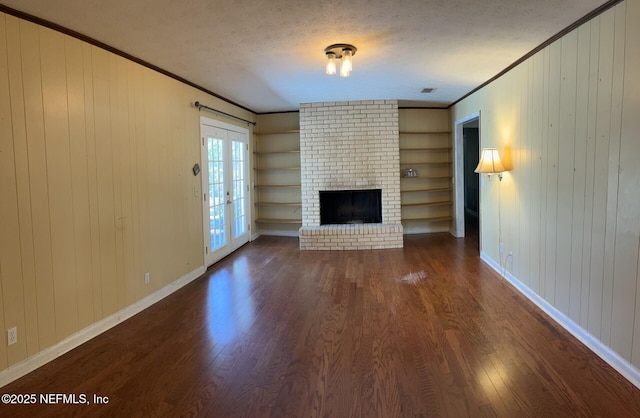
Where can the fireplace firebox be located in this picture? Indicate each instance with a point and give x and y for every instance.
(350, 206)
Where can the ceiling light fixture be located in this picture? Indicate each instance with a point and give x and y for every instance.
(344, 52)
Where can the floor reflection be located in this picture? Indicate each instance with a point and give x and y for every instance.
(230, 306)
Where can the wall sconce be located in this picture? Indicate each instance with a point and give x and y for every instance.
(490, 163)
(344, 52)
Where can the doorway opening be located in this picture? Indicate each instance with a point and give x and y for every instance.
(467, 151)
(471, 152)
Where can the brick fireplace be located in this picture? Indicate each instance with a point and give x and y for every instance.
(350, 146)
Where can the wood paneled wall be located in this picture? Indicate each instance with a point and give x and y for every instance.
(96, 185)
(568, 120)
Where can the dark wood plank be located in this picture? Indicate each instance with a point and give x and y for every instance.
(424, 331)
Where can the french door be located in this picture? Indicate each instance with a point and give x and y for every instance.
(225, 188)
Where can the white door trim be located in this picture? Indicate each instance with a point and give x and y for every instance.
(459, 231)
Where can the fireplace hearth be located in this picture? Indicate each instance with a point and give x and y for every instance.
(350, 207)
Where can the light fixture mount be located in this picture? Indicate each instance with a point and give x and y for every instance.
(337, 49)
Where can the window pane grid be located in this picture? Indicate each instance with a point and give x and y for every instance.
(238, 188)
(217, 202)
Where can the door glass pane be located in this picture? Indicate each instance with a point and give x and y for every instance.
(216, 193)
(238, 188)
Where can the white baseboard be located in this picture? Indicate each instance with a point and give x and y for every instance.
(626, 369)
(30, 364)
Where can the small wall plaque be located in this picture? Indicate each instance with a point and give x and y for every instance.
(410, 172)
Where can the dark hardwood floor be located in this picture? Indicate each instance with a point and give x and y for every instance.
(428, 331)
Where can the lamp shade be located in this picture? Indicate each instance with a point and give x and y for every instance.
(331, 63)
(347, 63)
(490, 162)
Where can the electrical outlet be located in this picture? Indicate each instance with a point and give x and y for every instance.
(501, 247)
(12, 336)
(146, 278)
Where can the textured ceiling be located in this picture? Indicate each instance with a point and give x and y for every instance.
(267, 55)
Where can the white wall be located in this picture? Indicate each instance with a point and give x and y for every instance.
(568, 120)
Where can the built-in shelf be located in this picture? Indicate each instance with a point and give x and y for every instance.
(275, 186)
(425, 177)
(427, 149)
(429, 219)
(277, 152)
(284, 132)
(278, 203)
(426, 164)
(429, 152)
(445, 203)
(278, 221)
(424, 132)
(278, 169)
(277, 179)
(432, 190)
